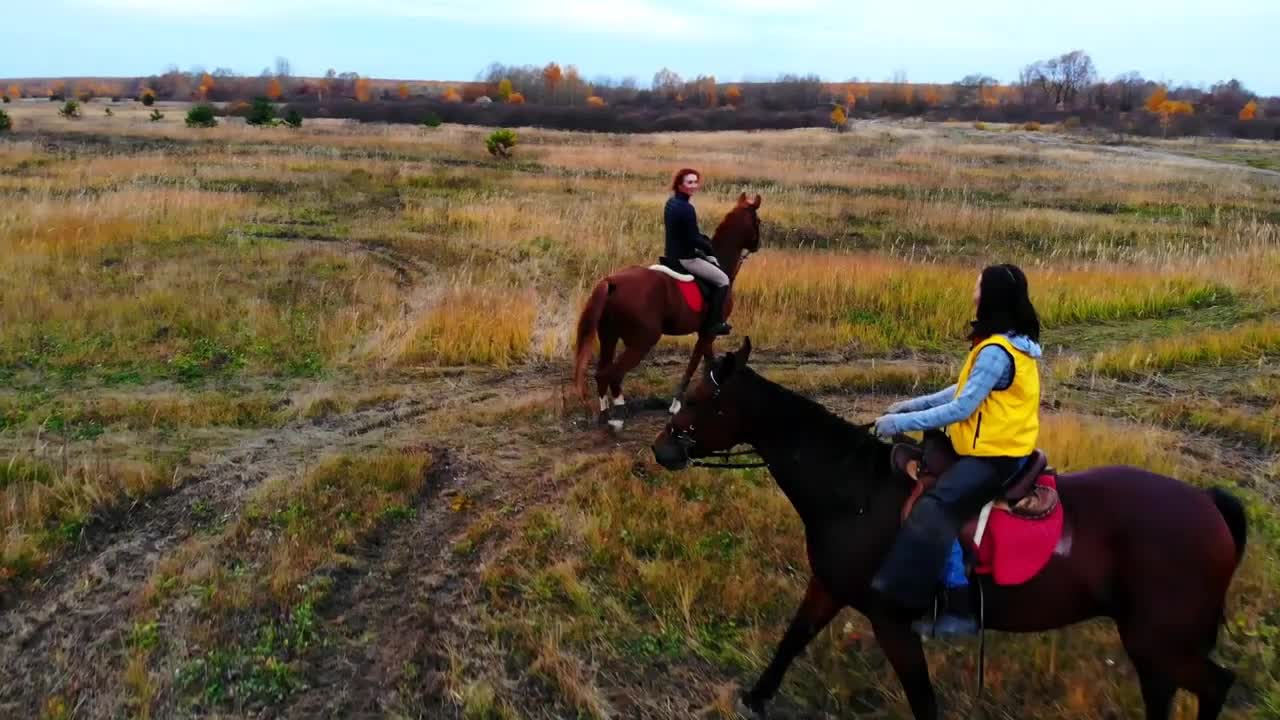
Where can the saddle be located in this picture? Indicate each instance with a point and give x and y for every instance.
(1012, 538)
(923, 463)
(671, 266)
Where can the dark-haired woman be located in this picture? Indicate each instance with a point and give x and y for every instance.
(692, 249)
(992, 416)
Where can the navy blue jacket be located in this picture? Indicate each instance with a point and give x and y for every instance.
(683, 239)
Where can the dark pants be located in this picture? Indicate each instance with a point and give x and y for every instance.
(910, 573)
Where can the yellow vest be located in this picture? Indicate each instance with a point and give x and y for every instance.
(1007, 423)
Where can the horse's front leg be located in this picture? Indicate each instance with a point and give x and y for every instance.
(902, 647)
(700, 351)
(816, 610)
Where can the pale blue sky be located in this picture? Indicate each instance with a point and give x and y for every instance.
(930, 40)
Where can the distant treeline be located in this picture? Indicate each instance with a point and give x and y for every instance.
(1064, 89)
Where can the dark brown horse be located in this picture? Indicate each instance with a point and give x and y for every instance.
(1153, 553)
(638, 306)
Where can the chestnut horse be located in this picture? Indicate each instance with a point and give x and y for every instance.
(1152, 553)
(638, 306)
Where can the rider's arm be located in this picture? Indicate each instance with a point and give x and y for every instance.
(992, 368)
(924, 402)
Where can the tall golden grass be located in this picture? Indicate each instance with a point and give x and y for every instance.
(879, 303)
(45, 504)
(1250, 343)
(489, 326)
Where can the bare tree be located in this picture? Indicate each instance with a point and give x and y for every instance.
(1129, 90)
(284, 70)
(1060, 79)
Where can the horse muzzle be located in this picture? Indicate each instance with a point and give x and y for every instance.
(670, 453)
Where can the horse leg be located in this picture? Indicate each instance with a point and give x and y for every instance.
(1166, 662)
(1157, 689)
(816, 610)
(701, 351)
(608, 346)
(1209, 682)
(902, 646)
(618, 369)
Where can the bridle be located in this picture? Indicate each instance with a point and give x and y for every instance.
(684, 437)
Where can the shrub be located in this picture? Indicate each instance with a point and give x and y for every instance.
(5, 98)
(107, 112)
(1033, 126)
(432, 120)
(262, 112)
(293, 119)
(1071, 123)
(70, 109)
(979, 125)
(201, 116)
(6, 124)
(501, 143)
(839, 119)
(156, 116)
(148, 99)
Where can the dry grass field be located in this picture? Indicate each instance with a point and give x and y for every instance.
(285, 428)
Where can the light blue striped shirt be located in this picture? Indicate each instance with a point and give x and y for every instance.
(992, 368)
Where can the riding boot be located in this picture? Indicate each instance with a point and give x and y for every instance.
(909, 576)
(714, 323)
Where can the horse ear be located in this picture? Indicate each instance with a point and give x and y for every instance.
(754, 203)
(744, 351)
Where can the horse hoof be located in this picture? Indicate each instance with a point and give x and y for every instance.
(615, 425)
(748, 709)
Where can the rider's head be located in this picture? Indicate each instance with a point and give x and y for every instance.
(687, 181)
(1004, 304)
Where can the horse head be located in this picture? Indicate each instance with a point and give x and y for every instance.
(710, 419)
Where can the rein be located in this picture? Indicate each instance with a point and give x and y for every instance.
(724, 455)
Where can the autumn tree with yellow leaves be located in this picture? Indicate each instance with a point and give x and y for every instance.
(1159, 104)
(402, 90)
(839, 118)
(1249, 111)
(551, 77)
(364, 90)
(274, 90)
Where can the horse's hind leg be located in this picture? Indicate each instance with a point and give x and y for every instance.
(608, 346)
(618, 370)
(1164, 666)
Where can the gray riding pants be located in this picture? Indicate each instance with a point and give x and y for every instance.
(706, 270)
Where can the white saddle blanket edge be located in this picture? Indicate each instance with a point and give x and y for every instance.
(983, 517)
(668, 271)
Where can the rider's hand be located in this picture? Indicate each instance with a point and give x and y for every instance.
(886, 426)
(898, 407)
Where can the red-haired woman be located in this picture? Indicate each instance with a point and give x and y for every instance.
(692, 249)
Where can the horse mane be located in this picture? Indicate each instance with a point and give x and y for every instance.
(793, 412)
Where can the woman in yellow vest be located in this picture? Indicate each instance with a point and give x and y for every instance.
(992, 415)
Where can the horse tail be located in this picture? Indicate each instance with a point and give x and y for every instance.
(587, 324)
(1234, 514)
